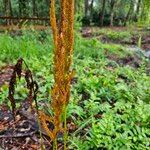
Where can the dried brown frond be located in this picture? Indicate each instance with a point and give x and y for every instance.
(32, 85)
(18, 67)
(28, 78)
(16, 71)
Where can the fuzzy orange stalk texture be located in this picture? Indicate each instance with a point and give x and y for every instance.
(63, 47)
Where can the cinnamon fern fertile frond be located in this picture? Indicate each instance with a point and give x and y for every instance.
(63, 36)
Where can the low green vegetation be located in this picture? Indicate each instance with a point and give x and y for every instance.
(109, 106)
(117, 34)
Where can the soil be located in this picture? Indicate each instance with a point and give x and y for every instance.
(88, 32)
(5, 74)
(16, 27)
(22, 133)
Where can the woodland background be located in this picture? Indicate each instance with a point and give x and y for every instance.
(109, 107)
(89, 12)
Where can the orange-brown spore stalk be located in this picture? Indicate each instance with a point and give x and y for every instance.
(63, 47)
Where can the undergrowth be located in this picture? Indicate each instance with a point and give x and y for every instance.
(110, 100)
(117, 35)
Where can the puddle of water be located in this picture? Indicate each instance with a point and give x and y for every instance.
(140, 51)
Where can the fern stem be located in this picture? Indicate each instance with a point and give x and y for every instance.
(65, 129)
(39, 125)
(55, 144)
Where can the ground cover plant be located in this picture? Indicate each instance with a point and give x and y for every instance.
(109, 106)
(101, 101)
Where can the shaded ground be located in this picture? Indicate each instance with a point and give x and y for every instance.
(23, 132)
(16, 27)
(5, 74)
(133, 40)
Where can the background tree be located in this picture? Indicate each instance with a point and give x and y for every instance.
(145, 14)
(137, 11)
(91, 9)
(102, 13)
(91, 12)
(34, 7)
(22, 8)
(113, 5)
(86, 7)
(7, 10)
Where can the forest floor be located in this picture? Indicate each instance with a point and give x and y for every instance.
(120, 35)
(21, 132)
(19, 28)
(120, 52)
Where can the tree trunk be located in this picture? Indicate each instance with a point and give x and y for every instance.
(22, 8)
(91, 9)
(129, 13)
(137, 12)
(34, 8)
(112, 18)
(112, 8)
(86, 6)
(102, 13)
(8, 10)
